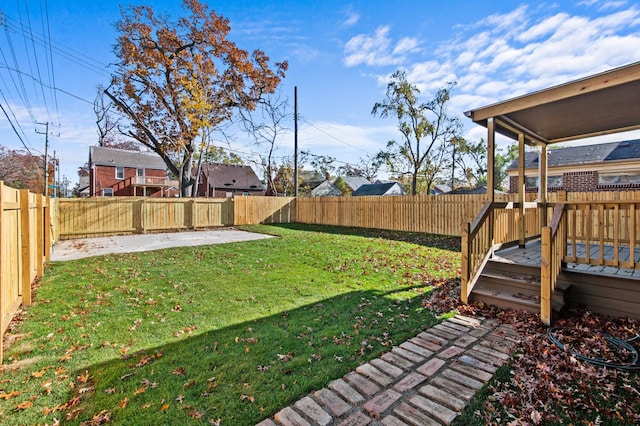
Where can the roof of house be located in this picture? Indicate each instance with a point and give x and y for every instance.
(482, 189)
(231, 176)
(440, 188)
(325, 189)
(353, 182)
(374, 189)
(584, 154)
(102, 156)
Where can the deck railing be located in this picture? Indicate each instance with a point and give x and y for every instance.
(553, 249)
(476, 244)
(603, 233)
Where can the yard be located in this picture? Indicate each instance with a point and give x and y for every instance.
(224, 334)
(229, 334)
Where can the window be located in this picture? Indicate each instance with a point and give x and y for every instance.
(107, 192)
(552, 181)
(119, 172)
(531, 182)
(628, 178)
(140, 172)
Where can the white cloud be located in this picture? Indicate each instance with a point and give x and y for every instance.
(351, 19)
(378, 49)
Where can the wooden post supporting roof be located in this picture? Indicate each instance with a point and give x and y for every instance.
(491, 136)
(521, 192)
(542, 179)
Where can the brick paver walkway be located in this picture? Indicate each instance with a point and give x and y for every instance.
(427, 380)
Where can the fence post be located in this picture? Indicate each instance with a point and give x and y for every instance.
(545, 276)
(2, 283)
(190, 214)
(140, 217)
(40, 233)
(47, 230)
(464, 245)
(25, 249)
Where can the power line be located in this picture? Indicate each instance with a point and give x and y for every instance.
(52, 79)
(69, 53)
(334, 137)
(14, 129)
(35, 57)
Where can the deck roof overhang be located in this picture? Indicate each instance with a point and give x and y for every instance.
(601, 104)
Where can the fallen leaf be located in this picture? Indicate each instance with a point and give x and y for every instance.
(123, 403)
(39, 373)
(11, 394)
(247, 398)
(24, 405)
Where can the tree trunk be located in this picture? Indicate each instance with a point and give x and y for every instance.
(186, 180)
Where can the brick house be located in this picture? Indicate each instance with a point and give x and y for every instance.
(228, 180)
(118, 172)
(613, 166)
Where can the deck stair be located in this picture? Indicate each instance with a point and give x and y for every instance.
(509, 285)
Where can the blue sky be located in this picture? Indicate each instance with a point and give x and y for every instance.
(340, 57)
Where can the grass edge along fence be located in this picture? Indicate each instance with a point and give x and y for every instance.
(25, 246)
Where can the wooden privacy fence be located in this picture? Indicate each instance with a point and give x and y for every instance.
(436, 214)
(97, 217)
(25, 245)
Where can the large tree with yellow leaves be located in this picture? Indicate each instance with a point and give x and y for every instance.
(177, 81)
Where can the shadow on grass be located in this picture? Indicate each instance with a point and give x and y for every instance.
(246, 372)
(428, 240)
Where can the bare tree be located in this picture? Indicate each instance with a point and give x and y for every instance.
(109, 134)
(266, 125)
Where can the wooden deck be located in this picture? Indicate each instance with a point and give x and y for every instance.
(530, 256)
(603, 289)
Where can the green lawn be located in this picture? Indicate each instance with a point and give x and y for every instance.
(228, 333)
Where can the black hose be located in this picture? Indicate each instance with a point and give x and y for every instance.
(615, 342)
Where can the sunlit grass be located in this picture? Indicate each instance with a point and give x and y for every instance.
(231, 332)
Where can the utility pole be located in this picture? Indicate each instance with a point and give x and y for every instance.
(46, 159)
(295, 141)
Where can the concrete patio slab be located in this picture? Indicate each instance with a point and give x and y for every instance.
(88, 247)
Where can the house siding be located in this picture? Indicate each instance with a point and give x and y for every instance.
(104, 177)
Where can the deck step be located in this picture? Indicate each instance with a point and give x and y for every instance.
(512, 286)
(511, 300)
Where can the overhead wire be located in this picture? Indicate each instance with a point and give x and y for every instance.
(35, 57)
(67, 52)
(52, 75)
(20, 88)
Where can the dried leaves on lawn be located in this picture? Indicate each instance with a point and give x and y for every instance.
(550, 383)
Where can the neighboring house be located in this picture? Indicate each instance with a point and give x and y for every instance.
(340, 186)
(83, 186)
(482, 189)
(325, 189)
(228, 180)
(440, 189)
(389, 188)
(118, 172)
(610, 166)
(347, 184)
